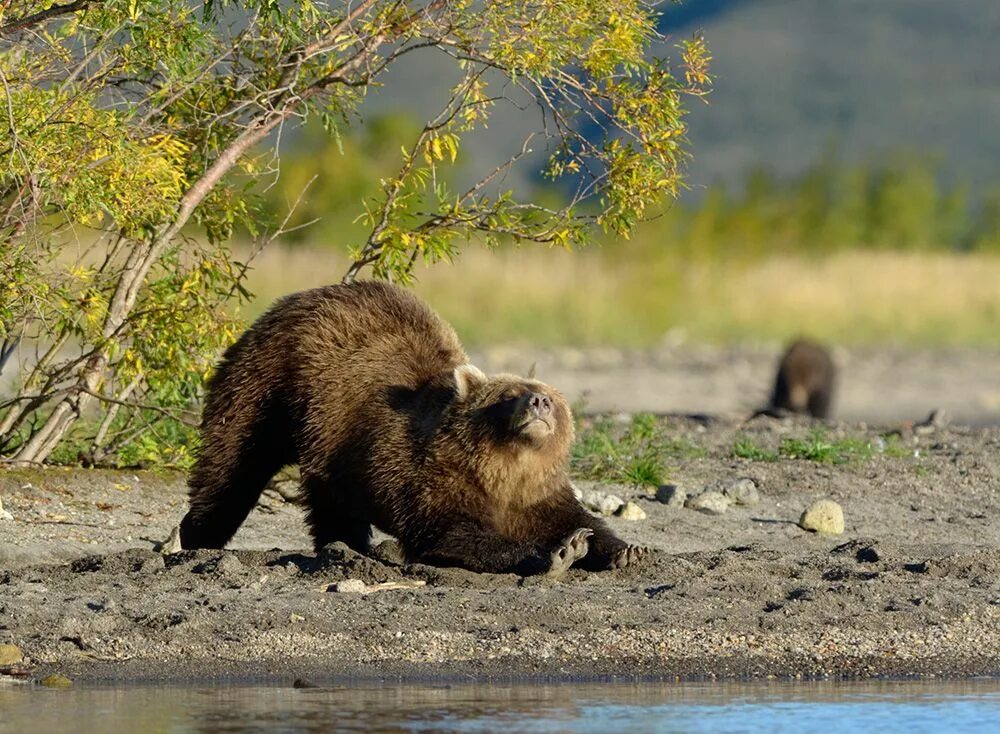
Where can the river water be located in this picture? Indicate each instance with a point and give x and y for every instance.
(972, 706)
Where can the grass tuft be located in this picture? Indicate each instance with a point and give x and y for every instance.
(745, 448)
(819, 447)
(633, 455)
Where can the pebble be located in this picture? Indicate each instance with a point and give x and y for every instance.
(229, 564)
(4, 515)
(711, 503)
(390, 552)
(151, 564)
(671, 495)
(631, 511)
(742, 492)
(823, 516)
(101, 605)
(349, 586)
(10, 655)
(335, 552)
(606, 504)
(55, 681)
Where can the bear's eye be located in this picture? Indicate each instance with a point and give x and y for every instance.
(510, 394)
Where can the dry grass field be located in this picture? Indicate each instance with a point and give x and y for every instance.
(598, 297)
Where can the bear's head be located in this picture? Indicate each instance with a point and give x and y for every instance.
(511, 418)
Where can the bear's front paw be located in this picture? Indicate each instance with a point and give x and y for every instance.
(628, 556)
(573, 548)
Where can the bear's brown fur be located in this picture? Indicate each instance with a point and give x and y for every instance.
(370, 392)
(805, 380)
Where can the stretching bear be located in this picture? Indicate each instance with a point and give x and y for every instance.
(370, 393)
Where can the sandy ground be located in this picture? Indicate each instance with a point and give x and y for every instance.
(912, 587)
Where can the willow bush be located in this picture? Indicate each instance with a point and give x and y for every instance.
(137, 135)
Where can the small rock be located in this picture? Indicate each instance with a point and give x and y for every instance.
(711, 503)
(349, 586)
(4, 515)
(101, 605)
(224, 564)
(631, 511)
(671, 495)
(335, 552)
(610, 504)
(151, 564)
(606, 504)
(389, 552)
(823, 516)
(10, 655)
(229, 564)
(742, 492)
(55, 681)
(938, 418)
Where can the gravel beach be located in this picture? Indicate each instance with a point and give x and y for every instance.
(911, 586)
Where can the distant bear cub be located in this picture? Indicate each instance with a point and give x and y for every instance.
(370, 392)
(805, 380)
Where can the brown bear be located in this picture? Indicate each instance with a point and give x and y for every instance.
(805, 379)
(370, 393)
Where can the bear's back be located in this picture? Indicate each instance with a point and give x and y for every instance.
(367, 334)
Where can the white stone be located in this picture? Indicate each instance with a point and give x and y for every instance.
(350, 586)
(671, 495)
(710, 503)
(606, 504)
(631, 511)
(742, 492)
(823, 516)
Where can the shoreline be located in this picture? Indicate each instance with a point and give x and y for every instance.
(314, 673)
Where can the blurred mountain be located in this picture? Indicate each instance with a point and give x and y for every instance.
(797, 78)
(867, 77)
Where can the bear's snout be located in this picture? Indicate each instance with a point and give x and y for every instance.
(540, 405)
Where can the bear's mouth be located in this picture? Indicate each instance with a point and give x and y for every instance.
(534, 426)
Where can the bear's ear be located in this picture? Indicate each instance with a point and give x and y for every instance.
(467, 378)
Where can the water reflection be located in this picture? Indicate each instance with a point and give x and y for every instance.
(567, 707)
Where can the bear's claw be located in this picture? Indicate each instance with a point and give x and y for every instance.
(573, 548)
(628, 556)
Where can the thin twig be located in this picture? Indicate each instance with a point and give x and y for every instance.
(141, 406)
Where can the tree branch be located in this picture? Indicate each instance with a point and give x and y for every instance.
(19, 24)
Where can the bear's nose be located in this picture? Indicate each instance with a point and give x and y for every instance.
(540, 404)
